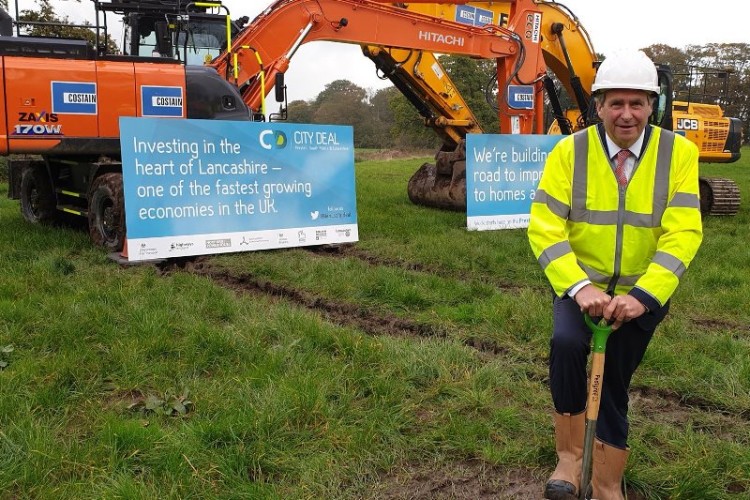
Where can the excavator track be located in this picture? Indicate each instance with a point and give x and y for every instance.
(719, 196)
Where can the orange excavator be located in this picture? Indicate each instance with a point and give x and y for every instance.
(62, 99)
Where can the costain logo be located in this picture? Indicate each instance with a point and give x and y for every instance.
(272, 139)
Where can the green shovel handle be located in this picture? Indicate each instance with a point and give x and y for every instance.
(601, 333)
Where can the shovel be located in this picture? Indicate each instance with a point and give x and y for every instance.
(601, 334)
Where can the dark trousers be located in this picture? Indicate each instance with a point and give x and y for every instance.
(569, 350)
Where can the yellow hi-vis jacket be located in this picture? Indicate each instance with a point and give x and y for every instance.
(637, 239)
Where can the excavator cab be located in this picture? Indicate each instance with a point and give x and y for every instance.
(194, 34)
(194, 37)
(662, 115)
(193, 41)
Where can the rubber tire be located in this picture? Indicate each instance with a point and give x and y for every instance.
(38, 201)
(107, 212)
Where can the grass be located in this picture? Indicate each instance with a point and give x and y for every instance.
(423, 345)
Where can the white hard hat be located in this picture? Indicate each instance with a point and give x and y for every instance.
(627, 69)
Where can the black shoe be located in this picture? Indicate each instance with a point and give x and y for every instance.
(557, 489)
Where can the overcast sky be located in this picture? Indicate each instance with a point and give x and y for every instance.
(612, 24)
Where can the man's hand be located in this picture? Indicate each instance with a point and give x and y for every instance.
(622, 308)
(592, 300)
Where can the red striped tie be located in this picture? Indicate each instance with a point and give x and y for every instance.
(622, 155)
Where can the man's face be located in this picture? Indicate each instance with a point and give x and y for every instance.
(625, 114)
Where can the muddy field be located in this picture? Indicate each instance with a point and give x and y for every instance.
(466, 478)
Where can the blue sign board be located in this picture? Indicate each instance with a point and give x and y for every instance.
(197, 187)
(521, 96)
(473, 16)
(161, 101)
(484, 17)
(502, 175)
(74, 98)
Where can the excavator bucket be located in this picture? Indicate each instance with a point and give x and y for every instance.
(442, 184)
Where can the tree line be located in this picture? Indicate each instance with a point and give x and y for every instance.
(711, 74)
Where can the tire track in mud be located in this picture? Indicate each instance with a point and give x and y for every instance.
(350, 251)
(463, 480)
(336, 312)
(669, 405)
(346, 251)
(719, 324)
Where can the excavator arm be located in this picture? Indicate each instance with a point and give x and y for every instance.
(566, 46)
(427, 86)
(267, 45)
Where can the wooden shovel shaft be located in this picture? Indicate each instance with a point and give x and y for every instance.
(595, 386)
(592, 414)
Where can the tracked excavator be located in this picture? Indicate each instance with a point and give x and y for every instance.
(569, 54)
(62, 98)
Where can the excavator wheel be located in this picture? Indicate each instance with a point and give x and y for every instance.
(107, 212)
(718, 196)
(443, 184)
(38, 202)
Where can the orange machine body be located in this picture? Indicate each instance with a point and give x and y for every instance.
(73, 106)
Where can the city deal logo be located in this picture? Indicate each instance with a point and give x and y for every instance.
(272, 139)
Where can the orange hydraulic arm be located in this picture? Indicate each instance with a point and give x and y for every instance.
(565, 45)
(582, 53)
(276, 34)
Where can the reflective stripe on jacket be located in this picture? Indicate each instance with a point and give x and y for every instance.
(639, 238)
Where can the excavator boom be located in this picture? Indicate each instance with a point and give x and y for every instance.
(567, 51)
(566, 46)
(267, 45)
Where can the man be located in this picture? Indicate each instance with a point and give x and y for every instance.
(615, 223)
